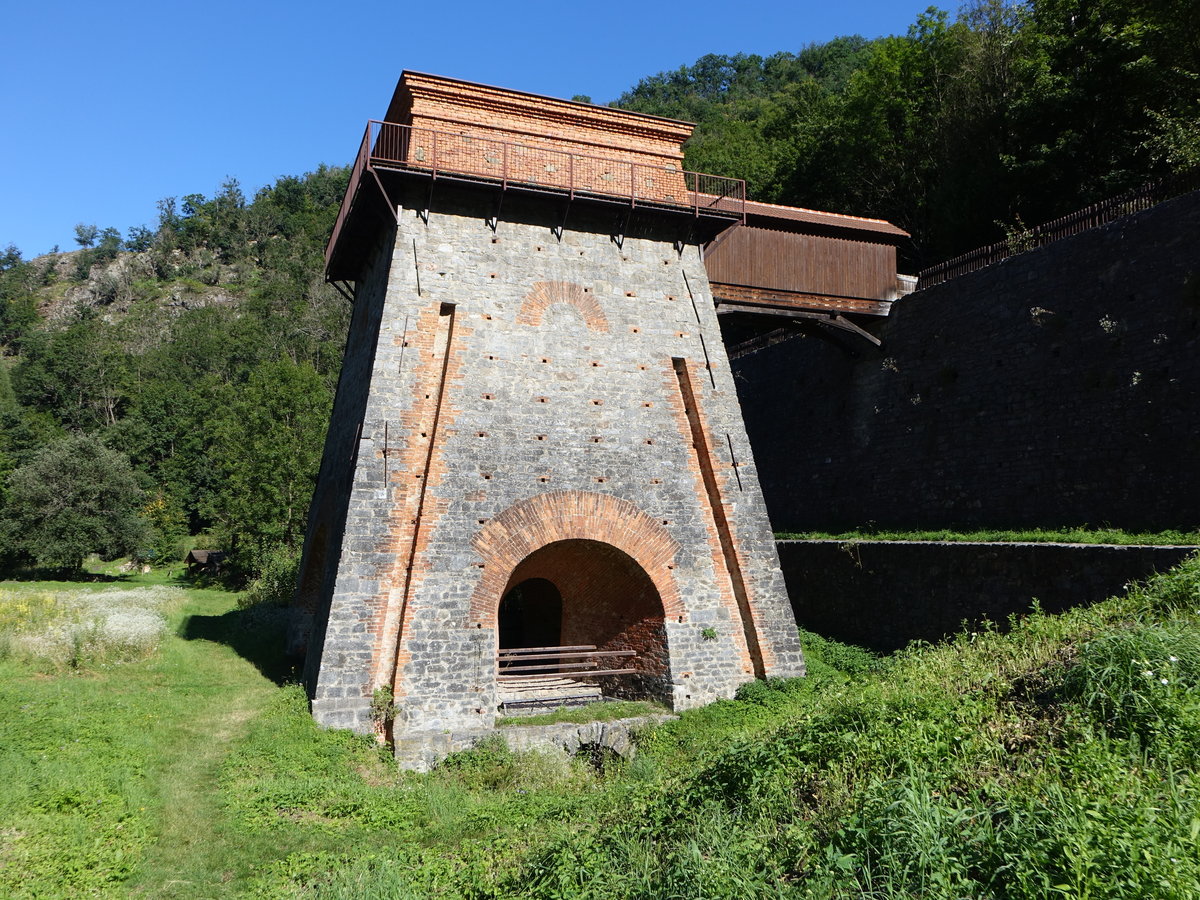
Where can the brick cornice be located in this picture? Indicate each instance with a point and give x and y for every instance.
(545, 116)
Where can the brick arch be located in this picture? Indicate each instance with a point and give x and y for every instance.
(525, 527)
(546, 293)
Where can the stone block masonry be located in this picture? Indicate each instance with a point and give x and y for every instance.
(526, 404)
(1058, 388)
(883, 594)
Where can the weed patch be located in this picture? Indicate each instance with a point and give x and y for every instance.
(69, 630)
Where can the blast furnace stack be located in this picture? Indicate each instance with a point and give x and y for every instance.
(536, 486)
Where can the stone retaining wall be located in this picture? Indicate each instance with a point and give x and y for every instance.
(1060, 387)
(883, 594)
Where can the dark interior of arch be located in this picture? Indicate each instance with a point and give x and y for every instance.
(605, 599)
(531, 615)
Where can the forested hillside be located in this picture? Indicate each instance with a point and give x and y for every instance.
(199, 358)
(171, 387)
(963, 129)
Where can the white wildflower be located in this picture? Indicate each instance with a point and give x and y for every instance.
(123, 623)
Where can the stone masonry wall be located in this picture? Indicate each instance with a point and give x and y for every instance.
(883, 594)
(327, 515)
(526, 389)
(1058, 388)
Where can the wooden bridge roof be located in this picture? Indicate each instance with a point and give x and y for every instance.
(783, 216)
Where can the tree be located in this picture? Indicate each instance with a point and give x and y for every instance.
(74, 497)
(22, 433)
(108, 245)
(140, 238)
(1109, 98)
(18, 306)
(78, 373)
(266, 442)
(85, 235)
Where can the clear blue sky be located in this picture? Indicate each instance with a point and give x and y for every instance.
(109, 107)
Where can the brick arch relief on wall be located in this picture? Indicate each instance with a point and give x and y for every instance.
(547, 293)
(528, 526)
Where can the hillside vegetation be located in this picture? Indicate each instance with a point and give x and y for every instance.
(1056, 760)
(174, 383)
(202, 359)
(963, 131)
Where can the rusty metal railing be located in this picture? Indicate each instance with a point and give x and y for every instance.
(579, 661)
(356, 174)
(534, 163)
(1144, 197)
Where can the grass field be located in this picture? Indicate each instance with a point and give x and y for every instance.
(1080, 535)
(1056, 760)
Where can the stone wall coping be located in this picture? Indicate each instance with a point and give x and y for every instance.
(860, 542)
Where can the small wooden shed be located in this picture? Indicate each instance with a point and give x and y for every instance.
(205, 561)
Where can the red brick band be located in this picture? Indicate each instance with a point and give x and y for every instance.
(546, 293)
(525, 527)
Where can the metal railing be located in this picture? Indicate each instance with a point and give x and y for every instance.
(356, 174)
(534, 163)
(578, 661)
(1102, 213)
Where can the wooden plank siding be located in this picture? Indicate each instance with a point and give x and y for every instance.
(776, 299)
(758, 257)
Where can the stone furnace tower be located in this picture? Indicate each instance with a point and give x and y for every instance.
(536, 486)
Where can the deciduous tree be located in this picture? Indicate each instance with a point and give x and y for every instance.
(74, 497)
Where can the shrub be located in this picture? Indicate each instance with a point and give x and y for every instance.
(845, 658)
(489, 764)
(276, 582)
(771, 691)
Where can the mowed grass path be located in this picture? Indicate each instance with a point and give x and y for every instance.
(109, 777)
(197, 772)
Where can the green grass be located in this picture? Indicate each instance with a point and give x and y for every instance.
(1081, 535)
(1038, 763)
(606, 711)
(105, 768)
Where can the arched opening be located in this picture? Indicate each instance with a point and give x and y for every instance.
(603, 600)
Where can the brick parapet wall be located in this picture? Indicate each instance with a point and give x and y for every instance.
(1058, 388)
(486, 131)
(448, 104)
(883, 594)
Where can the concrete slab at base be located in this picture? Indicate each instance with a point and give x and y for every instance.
(615, 736)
